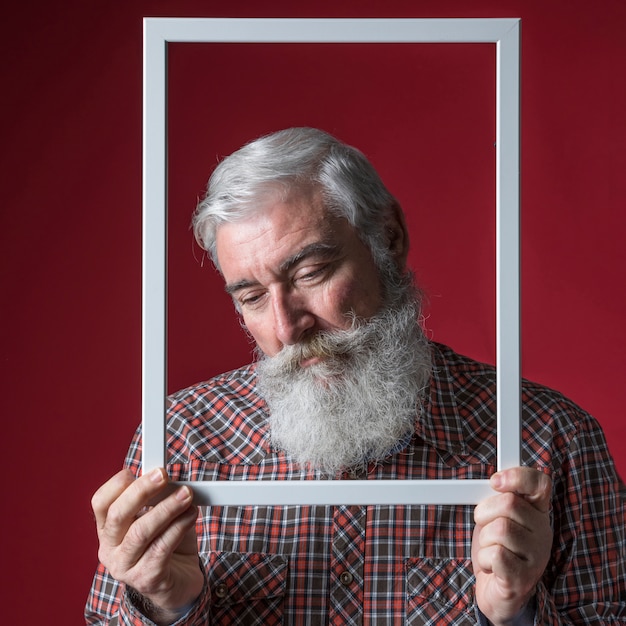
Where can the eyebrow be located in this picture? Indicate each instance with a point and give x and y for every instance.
(318, 249)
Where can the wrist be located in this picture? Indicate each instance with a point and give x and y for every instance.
(156, 614)
(525, 617)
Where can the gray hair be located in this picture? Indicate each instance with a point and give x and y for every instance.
(296, 160)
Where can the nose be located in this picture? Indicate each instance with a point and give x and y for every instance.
(292, 318)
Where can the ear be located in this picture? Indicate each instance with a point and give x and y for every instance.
(397, 234)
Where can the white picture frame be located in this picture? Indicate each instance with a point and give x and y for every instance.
(505, 34)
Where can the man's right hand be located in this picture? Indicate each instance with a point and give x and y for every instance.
(151, 549)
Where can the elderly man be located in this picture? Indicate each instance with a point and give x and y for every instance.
(312, 248)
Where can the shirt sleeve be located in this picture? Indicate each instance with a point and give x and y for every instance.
(110, 604)
(196, 615)
(585, 581)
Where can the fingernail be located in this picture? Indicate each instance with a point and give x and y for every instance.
(496, 480)
(184, 493)
(156, 476)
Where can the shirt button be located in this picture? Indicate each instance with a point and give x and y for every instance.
(221, 591)
(346, 578)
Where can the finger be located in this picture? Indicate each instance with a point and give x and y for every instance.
(123, 511)
(108, 493)
(512, 506)
(508, 534)
(156, 522)
(532, 484)
(159, 531)
(189, 543)
(159, 566)
(176, 537)
(502, 563)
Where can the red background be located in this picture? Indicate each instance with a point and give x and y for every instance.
(71, 223)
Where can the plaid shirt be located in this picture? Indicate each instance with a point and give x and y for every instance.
(382, 565)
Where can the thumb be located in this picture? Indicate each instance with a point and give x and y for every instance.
(531, 484)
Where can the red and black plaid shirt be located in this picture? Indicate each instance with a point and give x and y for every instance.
(382, 565)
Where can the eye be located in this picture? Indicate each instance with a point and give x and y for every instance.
(312, 273)
(251, 300)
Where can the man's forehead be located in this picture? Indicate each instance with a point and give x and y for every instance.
(280, 235)
(279, 218)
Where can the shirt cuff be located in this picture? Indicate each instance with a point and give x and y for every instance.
(195, 613)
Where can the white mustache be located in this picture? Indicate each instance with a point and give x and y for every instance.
(329, 346)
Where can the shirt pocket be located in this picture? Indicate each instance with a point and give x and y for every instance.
(440, 591)
(246, 588)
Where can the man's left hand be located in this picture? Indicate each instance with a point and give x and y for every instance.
(511, 543)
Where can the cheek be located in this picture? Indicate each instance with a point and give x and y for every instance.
(362, 298)
(264, 337)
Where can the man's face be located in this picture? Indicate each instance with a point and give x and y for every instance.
(293, 270)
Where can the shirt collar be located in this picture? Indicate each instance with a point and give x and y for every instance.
(440, 423)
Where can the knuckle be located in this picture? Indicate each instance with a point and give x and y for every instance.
(98, 502)
(502, 526)
(115, 517)
(478, 509)
(509, 500)
(136, 535)
(545, 482)
(95, 502)
(160, 549)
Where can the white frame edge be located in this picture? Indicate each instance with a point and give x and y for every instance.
(505, 33)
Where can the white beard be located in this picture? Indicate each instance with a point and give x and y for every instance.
(359, 402)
